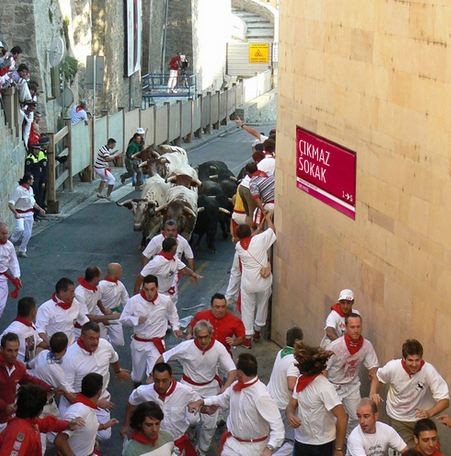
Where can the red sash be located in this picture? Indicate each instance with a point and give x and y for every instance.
(192, 382)
(15, 282)
(225, 435)
(353, 347)
(185, 446)
(157, 341)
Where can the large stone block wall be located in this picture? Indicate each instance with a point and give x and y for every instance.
(376, 79)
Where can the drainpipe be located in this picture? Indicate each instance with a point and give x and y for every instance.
(164, 38)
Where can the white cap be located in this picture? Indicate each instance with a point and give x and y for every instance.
(346, 295)
(140, 131)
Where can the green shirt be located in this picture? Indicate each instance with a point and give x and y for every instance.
(132, 148)
(163, 447)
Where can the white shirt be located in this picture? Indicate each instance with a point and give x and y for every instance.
(29, 339)
(113, 294)
(278, 386)
(77, 363)
(155, 245)
(22, 198)
(157, 315)
(253, 259)
(176, 419)
(52, 318)
(252, 413)
(88, 299)
(245, 181)
(8, 260)
(336, 321)
(50, 370)
(377, 444)
(200, 367)
(82, 441)
(315, 403)
(408, 393)
(165, 270)
(343, 368)
(77, 117)
(267, 165)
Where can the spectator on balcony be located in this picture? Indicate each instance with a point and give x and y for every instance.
(20, 78)
(8, 60)
(79, 113)
(174, 66)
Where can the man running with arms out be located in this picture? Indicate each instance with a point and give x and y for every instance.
(410, 381)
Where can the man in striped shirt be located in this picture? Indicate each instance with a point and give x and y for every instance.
(102, 167)
(262, 188)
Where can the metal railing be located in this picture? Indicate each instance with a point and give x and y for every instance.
(155, 85)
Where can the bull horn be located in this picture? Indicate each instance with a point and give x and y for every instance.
(189, 210)
(233, 178)
(213, 167)
(171, 179)
(213, 176)
(200, 209)
(196, 182)
(156, 154)
(163, 160)
(211, 196)
(144, 163)
(224, 211)
(230, 199)
(123, 202)
(160, 208)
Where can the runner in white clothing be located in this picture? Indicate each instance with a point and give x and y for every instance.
(165, 266)
(173, 398)
(61, 312)
(23, 326)
(93, 354)
(201, 360)
(335, 322)
(315, 410)
(9, 267)
(350, 351)
(155, 244)
(114, 296)
(256, 277)
(416, 390)
(372, 437)
(254, 424)
(149, 312)
(281, 384)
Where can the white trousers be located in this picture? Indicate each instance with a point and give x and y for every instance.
(3, 293)
(234, 448)
(254, 309)
(105, 175)
(115, 334)
(233, 287)
(350, 397)
(172, 81)
(23, 230)
(144, 356)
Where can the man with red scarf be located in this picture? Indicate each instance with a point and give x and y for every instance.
(335, 321)
(24, 327)
(82, 441)
(173, 397)
(92, 354)
(315, 410)
(255, 288)
(350, 351)
(426, 438)
(411, 383)
(61, 312)
(9, 268)
(149, 312)
(201, 359)
(79, 114)
(254, 424)
(165, 266)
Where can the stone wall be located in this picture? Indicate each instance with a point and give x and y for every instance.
(154, 16)
(376, 80)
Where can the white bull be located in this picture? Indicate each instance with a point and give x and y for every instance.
(176, 166)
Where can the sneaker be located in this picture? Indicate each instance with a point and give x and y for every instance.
(22, 254)
(247, 343)
(122, 180)
(108, 198)
(99, 195)
(257, 336)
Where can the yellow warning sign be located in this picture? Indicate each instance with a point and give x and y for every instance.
(258, 52)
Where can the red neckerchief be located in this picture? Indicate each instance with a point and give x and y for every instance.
(3, 242)
(84, 283)
(204, 350)
(62, 304)
(304, 381)
(245, 242)
(82, 345)
(143, 295)
(27, 186)
(141, 438)
(167, 255)
(79, 108)
(259, 173)
(404, 365)
(170, 390)
(85, 400)
(240, 386)
(338, 309)
(110, 279)
(25, 322)
(353, 347)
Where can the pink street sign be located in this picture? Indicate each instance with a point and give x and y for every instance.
(326, 170)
